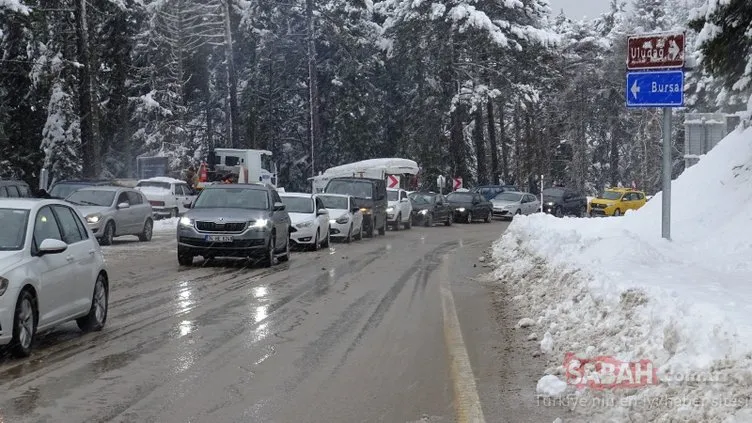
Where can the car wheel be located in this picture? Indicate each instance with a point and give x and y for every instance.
(382, 229)
(450, 217)
(325, 244)
(286, 256)
(488, 217)
(316, 244)
(349, 237)
(108, 235)
(24, 325)
(398, 222)
(370, 229)
(429, 220)
(185, 258)
(148, 231)
(174, 213)
(617, 212)
(469, 217)
(518, 212)
(558, 212)
(409, 223)
(95, 320)
(268, 260)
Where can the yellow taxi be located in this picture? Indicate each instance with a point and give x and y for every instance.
(616, 201)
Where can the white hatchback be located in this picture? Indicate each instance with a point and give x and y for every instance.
(345, 217)
(310, 219)
(51, 271)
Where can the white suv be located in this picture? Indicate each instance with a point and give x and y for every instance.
(400, 209)
(168, 197)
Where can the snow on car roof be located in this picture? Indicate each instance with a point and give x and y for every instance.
(295, 194)
(163, 179)
(392, 166)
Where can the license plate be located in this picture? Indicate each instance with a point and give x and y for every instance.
(219, 238)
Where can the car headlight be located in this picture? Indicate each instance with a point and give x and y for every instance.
(424, 211)
(94, 218)
(260, 223)
(3, 285)
(343, 219)
(461, 209)
(185, 221)
(365, 210)
(550, 203)
(305, 224)
(390, 209)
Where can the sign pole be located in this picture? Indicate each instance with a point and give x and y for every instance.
(666, 196)
(541, 195)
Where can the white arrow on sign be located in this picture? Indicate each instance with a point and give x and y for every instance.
(673, 50)
(635, 89)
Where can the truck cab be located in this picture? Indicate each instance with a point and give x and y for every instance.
(258, 164)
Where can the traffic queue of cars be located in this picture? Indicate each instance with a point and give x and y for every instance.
(52, 269)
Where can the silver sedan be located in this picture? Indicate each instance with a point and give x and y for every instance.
(114, 211)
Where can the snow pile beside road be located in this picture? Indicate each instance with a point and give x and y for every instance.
(166, 225)
(613, 287)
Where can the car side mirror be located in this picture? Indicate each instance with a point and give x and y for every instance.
(52, 246)
(322, 212)
(355, 209)
(188, 205)
(123, 205)
(279, 206)
(404, 200)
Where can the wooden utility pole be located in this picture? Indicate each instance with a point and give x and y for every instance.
(89, 145)
(313, 96)
(232, 81)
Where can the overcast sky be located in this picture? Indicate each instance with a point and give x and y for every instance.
(577, 9)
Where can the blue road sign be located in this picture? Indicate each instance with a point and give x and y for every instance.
(655, 89)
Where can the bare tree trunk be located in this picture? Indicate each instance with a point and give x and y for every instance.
(480, 145)
(492, 142)
(614, 157)
(89, 145)
(313, 95)
(232, 81)
(517, 145)
(504, 146)
(457, 144)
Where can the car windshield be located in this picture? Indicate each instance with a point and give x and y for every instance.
(232, 198)
(332, 202)
(298, 204)
(553, 192)
(154, 184)
(64, 190)
(423, 198)
(13, 224)
(460, 197)
(359, 189)
(392, 195)
(97, 198)
(610, 195)
(508, 196)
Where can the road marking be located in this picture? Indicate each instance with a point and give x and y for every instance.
(466, 401)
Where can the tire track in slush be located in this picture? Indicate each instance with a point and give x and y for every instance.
(388, 299)
(85, 375)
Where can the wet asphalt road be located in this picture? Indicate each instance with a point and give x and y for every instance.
(353, 333)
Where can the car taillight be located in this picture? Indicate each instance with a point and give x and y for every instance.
(157, 203)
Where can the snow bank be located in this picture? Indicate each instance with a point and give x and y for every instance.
(166, 225)
(615, 287)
